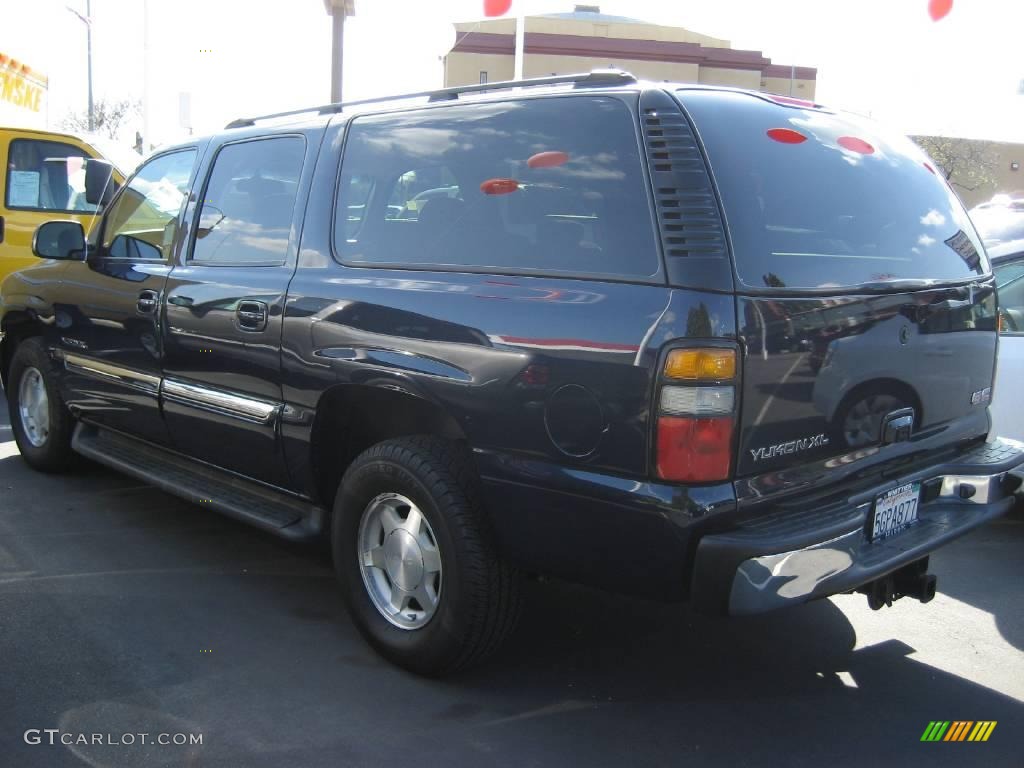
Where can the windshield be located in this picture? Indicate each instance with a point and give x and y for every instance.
(820, 200)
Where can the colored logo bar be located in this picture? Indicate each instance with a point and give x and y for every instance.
(958, 730)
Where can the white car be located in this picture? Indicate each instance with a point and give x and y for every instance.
(1008, 265)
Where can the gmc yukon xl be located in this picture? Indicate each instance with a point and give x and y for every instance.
(688, 342)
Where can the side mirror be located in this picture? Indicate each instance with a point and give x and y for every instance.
(59, 240)
(99, 182)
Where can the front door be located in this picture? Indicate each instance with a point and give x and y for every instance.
(109, 318)
(222, 338)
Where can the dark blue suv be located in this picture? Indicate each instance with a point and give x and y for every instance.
(683, 341)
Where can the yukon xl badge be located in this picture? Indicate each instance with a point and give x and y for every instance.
(793, 446)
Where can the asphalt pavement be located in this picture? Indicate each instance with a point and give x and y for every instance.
(125, 611)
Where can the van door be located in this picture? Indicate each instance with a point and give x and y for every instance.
(44, 179)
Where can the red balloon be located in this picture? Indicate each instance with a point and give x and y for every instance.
(854, 144)
(496, 7)
(786, 135)
(499, 186)
(938, 9)
(548, 159)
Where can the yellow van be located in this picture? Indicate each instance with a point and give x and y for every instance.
(43, 178)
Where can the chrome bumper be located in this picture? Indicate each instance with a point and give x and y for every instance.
(789, 558)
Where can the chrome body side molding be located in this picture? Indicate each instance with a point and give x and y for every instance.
(90, 366)
(218, 401)
(241, 407)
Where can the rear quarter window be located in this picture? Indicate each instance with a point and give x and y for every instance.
(816, 200)
(549, 185)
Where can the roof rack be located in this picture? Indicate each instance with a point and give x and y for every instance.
(598, 78)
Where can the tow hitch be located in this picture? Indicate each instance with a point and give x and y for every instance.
(911, 580)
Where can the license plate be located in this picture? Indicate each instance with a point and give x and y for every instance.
(894, 511)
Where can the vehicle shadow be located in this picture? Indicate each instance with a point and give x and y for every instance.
(112, 642)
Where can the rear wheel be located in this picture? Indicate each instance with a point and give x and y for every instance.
(41, 423)
(421, 575)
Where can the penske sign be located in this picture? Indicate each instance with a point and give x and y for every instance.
(20, 85)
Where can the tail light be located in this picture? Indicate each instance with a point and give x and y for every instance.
(696, 415)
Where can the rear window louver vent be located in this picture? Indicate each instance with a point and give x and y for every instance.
(689, 220)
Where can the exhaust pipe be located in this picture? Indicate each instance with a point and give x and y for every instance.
(911, 580)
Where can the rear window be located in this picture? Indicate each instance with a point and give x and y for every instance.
(815, 200)
(551, 185)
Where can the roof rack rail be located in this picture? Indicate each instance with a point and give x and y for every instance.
(598, 78)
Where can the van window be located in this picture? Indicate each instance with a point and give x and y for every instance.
(819, 200)
(551, 185)
(46, 176)
(247, 208)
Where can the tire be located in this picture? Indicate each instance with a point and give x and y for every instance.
(477, 594)
(44, 442)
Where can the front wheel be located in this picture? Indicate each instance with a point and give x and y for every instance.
(421, 575)
(41, 423)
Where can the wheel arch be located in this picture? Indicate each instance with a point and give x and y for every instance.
(885, 384)
(353, 417)
(16, 326)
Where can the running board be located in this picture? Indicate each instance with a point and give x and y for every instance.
(280, 513)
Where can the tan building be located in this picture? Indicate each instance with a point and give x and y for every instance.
(563, 43)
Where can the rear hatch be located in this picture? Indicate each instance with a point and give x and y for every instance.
(864, 294)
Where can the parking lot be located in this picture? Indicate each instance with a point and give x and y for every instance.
(125, 611)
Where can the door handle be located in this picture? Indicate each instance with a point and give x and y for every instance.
(147, 302)
(252, 315)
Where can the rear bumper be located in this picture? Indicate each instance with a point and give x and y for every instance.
(794, 555)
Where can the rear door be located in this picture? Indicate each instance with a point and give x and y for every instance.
(865, 295)
(222, 334)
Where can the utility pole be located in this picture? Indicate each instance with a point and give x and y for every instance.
(87, 20)
(147, 140)
(338, 10)
(88, 52)
(520, 46)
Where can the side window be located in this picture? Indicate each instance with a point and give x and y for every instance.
(414, 188)
(1010, 289)
(46, 176)
(357, 191)
(246, 212)
(143, 221)
(550, 185)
